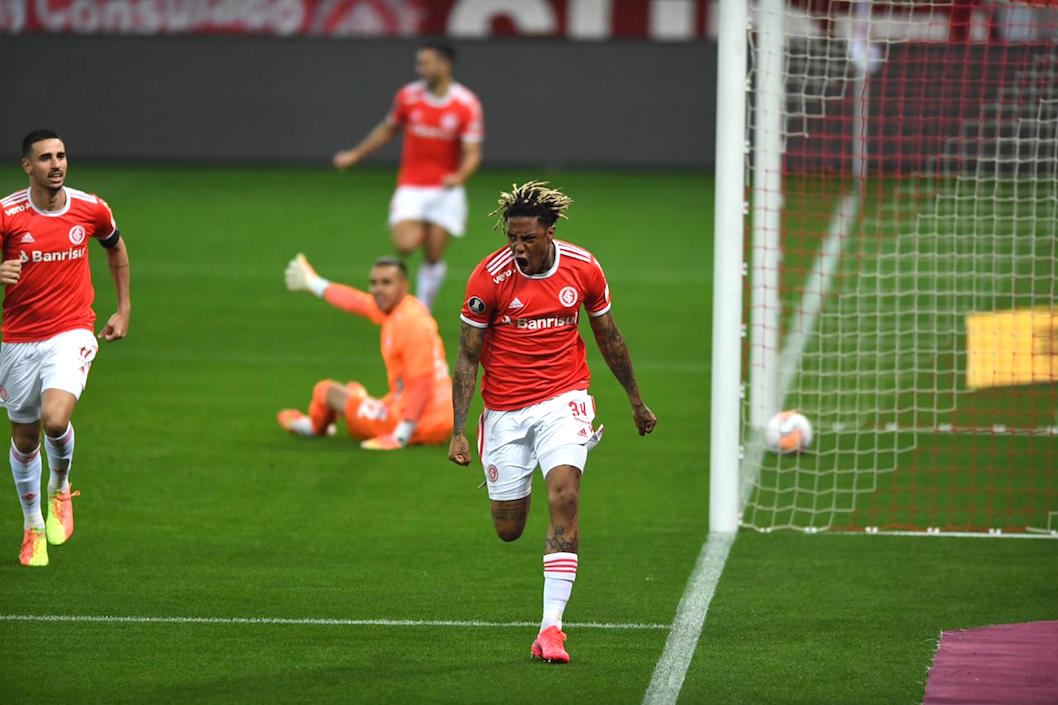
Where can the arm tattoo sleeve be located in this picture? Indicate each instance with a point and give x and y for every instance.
(466, 374)
(615, 352)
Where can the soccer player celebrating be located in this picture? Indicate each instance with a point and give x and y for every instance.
(520, 322)
(418, 407)
(48, 345)
(443, 131)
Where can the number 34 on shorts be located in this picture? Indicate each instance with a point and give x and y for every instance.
(583, 410)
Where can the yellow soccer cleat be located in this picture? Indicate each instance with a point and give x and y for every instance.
(60, 517)
(34, 548)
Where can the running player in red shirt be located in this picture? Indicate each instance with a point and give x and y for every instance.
(520, 323)
(48, 345)
(443, 131)
(418, 407)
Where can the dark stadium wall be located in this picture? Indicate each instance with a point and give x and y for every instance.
(203, 99)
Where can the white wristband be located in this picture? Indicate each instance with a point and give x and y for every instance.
(318, 285)
(403, 431)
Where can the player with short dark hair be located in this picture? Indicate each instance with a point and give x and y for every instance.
(519, 322)
(48, 345)
(418, 407)
(443, 130)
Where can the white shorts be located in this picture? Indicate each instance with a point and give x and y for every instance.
(446, 207)
(551, 433)
(27, 369)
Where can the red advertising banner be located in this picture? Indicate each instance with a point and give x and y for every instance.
(585, 20)
(574, 19)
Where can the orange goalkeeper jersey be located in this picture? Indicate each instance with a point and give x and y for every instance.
(411, 349)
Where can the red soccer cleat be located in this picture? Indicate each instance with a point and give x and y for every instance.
(548, 646)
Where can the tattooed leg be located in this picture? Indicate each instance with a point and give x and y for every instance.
(563, 498)
(509, 517)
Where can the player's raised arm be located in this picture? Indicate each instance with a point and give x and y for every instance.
(300, 276)
(117, 326)
(615, 352)
(382, 133)
(464, 380)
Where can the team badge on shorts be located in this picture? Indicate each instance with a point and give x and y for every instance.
(568, 296)
(77, 234)
(476, 305)
(493, 473)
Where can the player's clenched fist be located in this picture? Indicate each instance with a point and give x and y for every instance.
(10, 271)
(459, 450)
(644, 418)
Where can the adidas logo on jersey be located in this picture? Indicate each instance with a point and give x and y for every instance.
(516, 303)
(27, 238)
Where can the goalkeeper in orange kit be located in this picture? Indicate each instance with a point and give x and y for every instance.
(418, 407)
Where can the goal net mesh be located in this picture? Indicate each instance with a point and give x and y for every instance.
(902, 291)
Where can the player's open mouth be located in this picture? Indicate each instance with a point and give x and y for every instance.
(523, 262)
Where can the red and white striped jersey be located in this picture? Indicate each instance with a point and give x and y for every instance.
(533, 350)
(434, 131)
(54, 293)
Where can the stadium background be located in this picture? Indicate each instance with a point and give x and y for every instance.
(211, 141)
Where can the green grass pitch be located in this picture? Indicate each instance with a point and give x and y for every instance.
(195, 504)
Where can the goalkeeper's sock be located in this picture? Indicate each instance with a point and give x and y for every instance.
(560, 570)
(60, 457)
(25, 468)
(320, 413)
(429, 281)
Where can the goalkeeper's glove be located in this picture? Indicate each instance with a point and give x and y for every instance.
(301, 276)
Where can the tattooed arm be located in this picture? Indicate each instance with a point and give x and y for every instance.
(615, 352)
(463, 382)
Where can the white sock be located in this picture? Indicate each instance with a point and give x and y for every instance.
(429, 281)
(60, 457)
(303, 426)
(25, 468)
(560, 570)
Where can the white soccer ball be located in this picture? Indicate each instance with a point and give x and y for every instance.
(788, 432)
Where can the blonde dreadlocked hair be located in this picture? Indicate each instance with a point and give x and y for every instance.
(533, 199)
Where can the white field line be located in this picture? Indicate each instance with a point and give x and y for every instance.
(308, 621)
(1042, 534)
(668, 676)
(672, 668)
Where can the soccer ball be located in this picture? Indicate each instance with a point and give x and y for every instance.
(788, 432)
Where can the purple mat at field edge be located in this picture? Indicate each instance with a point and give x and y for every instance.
(1007, 664)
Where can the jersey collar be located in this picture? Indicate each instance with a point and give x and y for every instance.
(50, 214)
(548, 273)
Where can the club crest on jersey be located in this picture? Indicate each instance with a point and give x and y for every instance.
(493, 473)
(568, 296)
(77, 234)
(476, 305)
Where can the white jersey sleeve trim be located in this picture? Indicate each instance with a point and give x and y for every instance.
(596, 314)
(472, 323)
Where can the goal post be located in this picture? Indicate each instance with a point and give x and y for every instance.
(893, 170)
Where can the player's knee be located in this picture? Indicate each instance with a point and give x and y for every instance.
(55, 427)
(508, 531)
(563, 499)
(319, 392)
